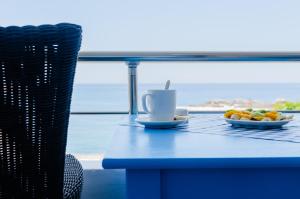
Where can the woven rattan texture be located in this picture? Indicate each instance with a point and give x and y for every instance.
(73, 177)
(37, 66)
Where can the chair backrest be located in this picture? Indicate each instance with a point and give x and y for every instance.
(37, 66)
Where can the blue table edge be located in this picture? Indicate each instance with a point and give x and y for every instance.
(194, 163)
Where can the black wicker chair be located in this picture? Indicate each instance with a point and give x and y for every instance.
(37, 66)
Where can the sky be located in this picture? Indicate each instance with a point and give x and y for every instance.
(174, 25)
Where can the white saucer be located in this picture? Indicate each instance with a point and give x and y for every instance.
(161, 124)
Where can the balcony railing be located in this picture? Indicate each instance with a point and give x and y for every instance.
(133, 59)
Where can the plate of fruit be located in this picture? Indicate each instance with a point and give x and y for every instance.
(256, 118)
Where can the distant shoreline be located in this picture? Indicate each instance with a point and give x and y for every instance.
(240, 104)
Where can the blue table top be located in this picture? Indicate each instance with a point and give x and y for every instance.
(206, 142)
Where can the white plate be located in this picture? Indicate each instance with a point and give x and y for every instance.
(161, 124)
(257, 124)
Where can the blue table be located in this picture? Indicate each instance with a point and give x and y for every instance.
(207, 159)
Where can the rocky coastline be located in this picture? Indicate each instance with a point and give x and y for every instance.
(225, 104)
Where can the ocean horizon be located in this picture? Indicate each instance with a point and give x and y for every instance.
(114, 97)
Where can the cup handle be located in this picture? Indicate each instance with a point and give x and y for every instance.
(144, 102)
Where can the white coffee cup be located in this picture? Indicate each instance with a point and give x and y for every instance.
(160, 104)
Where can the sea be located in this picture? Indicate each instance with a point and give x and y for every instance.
(114, 97)
(91, 134)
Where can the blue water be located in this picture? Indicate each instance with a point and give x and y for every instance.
(110, 97)
(91, 134)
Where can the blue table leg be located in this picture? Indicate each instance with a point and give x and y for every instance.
(143, 184)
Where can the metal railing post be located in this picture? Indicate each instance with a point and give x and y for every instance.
(132, 87)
